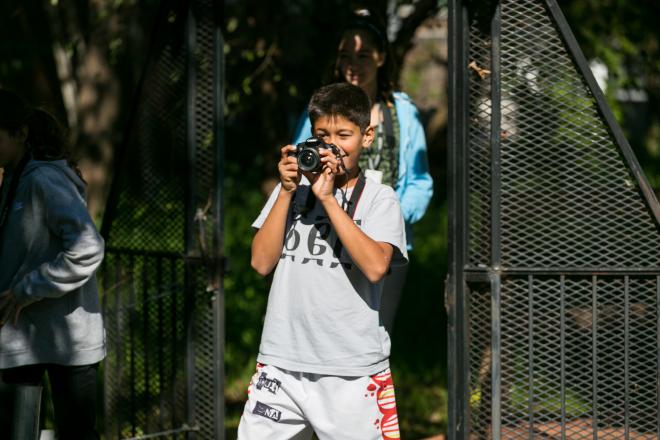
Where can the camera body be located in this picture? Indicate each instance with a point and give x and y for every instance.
(308, 156)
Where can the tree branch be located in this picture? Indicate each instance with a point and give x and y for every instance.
(423, 9)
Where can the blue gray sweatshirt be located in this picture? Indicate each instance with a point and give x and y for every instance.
(49, 254)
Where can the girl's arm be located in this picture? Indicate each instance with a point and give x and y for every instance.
(416, 194)
(82, 246)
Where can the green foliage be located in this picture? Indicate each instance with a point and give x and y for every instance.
(155, 224)
(419, 341)
(245, 290)
(624, 35)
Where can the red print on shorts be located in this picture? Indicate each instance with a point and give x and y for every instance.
(254, 376)
(382, 388)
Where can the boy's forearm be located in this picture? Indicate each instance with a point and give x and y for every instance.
(269, 239)
(371, 257)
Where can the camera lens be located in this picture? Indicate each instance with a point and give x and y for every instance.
(308, 160)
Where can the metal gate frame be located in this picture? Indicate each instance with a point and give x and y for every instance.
(461, 272)
(173, 297)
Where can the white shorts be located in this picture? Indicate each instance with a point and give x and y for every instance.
(284, 405)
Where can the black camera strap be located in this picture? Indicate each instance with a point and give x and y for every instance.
(310, 200)
(355, 195)
(11, 192)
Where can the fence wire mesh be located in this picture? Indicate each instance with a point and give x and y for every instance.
(159, 275)
(479, 139)
(568, 197)
(569, 346)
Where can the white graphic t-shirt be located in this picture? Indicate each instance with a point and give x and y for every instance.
(323, 313)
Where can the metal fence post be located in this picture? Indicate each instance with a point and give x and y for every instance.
(456, 303)
(189, 277)
(162, 285)
(218, 300)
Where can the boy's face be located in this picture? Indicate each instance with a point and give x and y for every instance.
(346, 135)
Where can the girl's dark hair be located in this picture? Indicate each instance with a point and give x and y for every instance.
(365, 21)
(46, 139)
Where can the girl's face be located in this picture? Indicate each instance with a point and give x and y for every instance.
(359, 59)
(12, 147)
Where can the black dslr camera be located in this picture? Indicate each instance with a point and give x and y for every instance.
(308, 155)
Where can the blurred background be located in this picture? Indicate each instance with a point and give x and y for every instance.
(82, 59)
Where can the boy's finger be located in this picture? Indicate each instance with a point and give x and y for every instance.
(310, 176)
(285, 151)
(331, 165)
(328, 169)
(289, 161)
(332, 158)
(342, 153)
(290, 170)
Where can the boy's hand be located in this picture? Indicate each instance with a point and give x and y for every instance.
(9, 308)
(288, 168)
(323, 183)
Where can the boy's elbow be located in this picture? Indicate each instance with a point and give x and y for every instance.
(377, 273)
(261, 267)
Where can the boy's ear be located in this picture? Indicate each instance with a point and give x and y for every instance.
(368, 136)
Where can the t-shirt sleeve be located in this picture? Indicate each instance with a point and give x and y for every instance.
(384, 223)
(258, 223)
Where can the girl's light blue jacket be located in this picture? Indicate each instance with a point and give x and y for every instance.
(414, 185)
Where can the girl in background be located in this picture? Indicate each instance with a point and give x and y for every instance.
(397, 157)
(50, 316)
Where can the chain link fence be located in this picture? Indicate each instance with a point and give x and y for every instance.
(555, 280)
(161, 277)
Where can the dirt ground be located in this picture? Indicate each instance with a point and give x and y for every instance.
(575, 430)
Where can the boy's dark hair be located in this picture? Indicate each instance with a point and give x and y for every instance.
(341, 99)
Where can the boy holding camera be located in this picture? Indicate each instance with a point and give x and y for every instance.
(323, 361)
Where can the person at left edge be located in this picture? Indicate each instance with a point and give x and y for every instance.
(50, 316)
